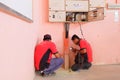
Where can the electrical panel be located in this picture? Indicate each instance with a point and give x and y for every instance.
(94, 15)
(76, 10)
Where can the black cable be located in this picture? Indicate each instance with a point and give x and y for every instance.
(66, 25)
(81, 30)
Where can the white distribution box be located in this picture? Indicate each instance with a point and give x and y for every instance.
(57, 16)
(56, 4)
(77, 5)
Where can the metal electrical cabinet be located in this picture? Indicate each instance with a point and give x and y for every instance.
(75, 10)
(57, 11)
(58, 5)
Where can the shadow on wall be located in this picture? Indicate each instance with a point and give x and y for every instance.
(45, 11)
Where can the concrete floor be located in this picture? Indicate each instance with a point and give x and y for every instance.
(103, 72)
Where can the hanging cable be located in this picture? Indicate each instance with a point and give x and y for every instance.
(81, 30)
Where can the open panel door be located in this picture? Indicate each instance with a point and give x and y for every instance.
(96, 14)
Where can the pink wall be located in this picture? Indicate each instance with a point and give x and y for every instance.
(17, 41)
(18, 38)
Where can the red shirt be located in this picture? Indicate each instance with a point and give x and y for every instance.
(86, 45)
(41, 49)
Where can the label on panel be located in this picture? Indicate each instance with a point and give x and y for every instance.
(97, 3)
(77, 5)
(56, 5)
(57, 16)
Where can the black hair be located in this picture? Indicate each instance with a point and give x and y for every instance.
(47, 37)
(75, 37)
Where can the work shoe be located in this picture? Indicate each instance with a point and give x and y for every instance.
(47, 75)
(52, 74)
(41, 73)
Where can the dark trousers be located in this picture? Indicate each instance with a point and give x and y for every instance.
(81, 62)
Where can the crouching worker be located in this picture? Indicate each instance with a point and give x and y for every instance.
(83, 58)
(43, 61)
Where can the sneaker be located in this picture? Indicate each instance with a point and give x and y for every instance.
(52, 74)
(41, 73)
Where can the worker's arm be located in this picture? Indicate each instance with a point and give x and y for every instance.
(83, 51)
(55, 51)
(74, 50)
(83, 45)
(57, 55)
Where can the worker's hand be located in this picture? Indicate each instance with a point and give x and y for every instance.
(73, 49)
(83, 51)
(57, 55)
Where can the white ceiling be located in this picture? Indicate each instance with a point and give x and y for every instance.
(23, 7)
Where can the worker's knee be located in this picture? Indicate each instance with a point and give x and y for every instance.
(61, 61)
